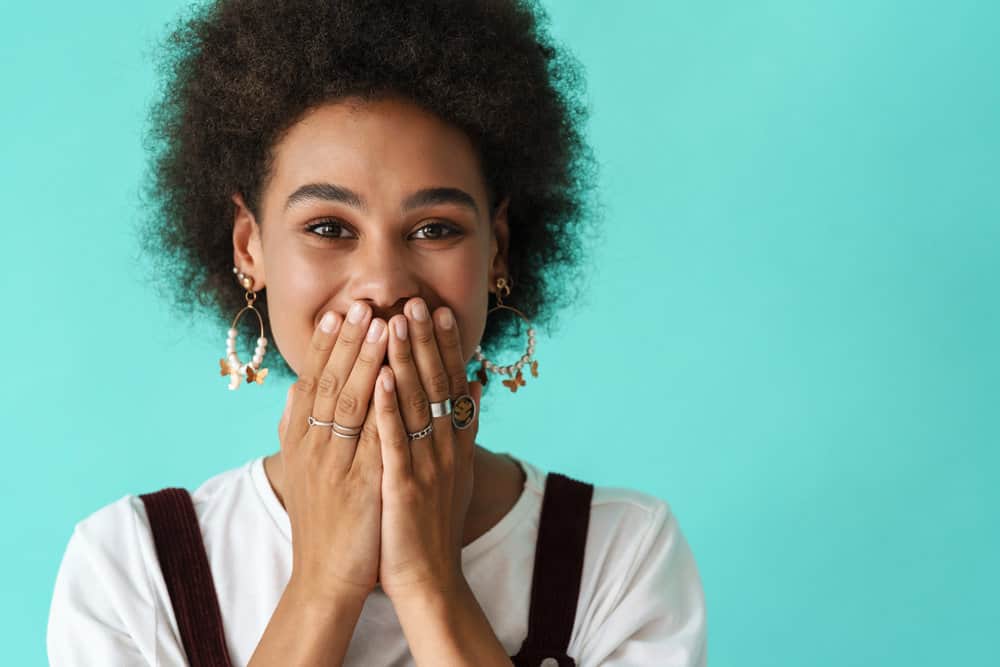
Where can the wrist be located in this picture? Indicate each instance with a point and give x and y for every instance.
(308, 594)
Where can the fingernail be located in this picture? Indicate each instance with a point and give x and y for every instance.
(375, 330)
(446, 319)
(356, 313)
(419, 311)
(400, 326)
(387, 381)
(328, 322)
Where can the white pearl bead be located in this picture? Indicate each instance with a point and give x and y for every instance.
(256, 361)
(519, 365)
(234, 359)
(262, 341)
(232, 333)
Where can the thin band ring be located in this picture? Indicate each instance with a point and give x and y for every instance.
(347, 431)
(315, 422)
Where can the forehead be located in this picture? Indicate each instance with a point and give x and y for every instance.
(387, 147)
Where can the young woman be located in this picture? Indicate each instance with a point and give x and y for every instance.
(373, 179)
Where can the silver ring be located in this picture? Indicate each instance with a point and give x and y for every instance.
(315, 422)
(441, 408)
(346, 431)
(422, 432)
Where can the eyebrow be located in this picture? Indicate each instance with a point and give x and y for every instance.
(420, 198)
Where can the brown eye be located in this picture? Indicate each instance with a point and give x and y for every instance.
(331, 229)
(438, 230)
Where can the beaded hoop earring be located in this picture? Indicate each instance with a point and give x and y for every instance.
(231, 365)
(526, 358)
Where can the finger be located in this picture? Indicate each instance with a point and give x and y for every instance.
(304, 388)
(409, 389)
(368, 460)
(450, 345)
(411, 397)
(335, 375)
(432, 376)
(340, 362)
(353, 400)
(395, 444)
(425, 351)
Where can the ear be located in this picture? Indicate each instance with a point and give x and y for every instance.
(499, 242)
(248, 250)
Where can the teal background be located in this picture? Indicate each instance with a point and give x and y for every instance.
(793, 320)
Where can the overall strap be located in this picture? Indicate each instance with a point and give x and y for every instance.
(555, 585)
(184, 563)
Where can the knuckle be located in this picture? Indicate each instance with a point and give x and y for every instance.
(459, 382)
(348, 403)
(449, 341)
(388, 406)
(305, 385)
(417, 402)
(423, 335)
(370, 431)
(329, 384)
(322, 343)
(349, 335)
(367, 357)
(439, 383)
(432, 476)
(402, 354)
(409, 493)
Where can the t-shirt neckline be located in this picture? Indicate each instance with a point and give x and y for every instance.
(530, 496)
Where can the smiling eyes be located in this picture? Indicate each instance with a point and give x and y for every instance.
(433, 231)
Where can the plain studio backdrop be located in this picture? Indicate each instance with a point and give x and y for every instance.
(792, 324)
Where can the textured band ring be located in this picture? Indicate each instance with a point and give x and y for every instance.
(422, 432)
(441, 408)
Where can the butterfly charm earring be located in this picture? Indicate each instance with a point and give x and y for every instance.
(503, 290)
(231, 364)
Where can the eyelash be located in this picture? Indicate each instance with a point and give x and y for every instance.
(451, 230)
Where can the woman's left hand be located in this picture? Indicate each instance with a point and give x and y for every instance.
(426, 483)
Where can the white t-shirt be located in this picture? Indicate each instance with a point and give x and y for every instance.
(641, 600)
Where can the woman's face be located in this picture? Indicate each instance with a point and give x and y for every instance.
(376, 202)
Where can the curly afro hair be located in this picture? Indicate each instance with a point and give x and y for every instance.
(239, 73)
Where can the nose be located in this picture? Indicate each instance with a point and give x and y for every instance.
(381, 276)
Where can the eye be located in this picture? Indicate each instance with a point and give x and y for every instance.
(438, 230)
(335, 226)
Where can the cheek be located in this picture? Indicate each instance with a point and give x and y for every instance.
(468, 299)
(295, 298)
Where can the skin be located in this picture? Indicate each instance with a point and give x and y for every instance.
(383, 151)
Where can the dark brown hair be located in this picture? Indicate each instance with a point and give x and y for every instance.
(238, 73)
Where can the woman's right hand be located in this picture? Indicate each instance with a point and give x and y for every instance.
(332, 485)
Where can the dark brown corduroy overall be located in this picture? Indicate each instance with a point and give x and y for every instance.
(555, 585)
